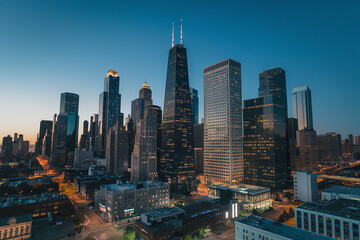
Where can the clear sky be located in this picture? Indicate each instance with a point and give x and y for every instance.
(49, 47)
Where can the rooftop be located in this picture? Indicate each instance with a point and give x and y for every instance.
(161, 213)
(15, 219)
(32, 199)
(339, 207)
(343, 190)
(127, 186)
(279, 228)
(241, 188)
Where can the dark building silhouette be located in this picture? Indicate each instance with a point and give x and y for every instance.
(329, 148)
(292, 129)
(266, 160)
(130, 129)
(6, 147)
(199, 148)
(84, 139)
(44, 126)
(46, 145)
(177, 158)
(194, 105)
(109, 109)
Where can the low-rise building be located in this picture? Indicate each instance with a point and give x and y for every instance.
(305, 186)
(117, 201)
(339, 218)
(254, 227)
(16, 227)
(166, 223)
(248, 196)
(344, 192)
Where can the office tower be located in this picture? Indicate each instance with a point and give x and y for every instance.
(138, 105)
(130, 129)
(357, 139)
(351, 138)
(109, 108)
(144, 157)
(44, 126)
(292, 129)
(177, 158)
(46, 145)
(305, 186)
(94, 132)
(308, 154)
(302, 107)
(15, 137)
(329, 148)
(117, 149)
(223, 122)
(25, 148)
(199, 148)
(194, 105)
(17, 146)
(65, 131)
(347, 148)
(84, 139)
(265, 133)
(6, 147)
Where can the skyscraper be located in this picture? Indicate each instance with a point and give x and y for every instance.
(357, 139)
(302, 108)
(109, 108)
(194, 105)
(6, 147)
(308, 150)
(138, 105)
(65, 130)
(223, 122)
(292, 129)
(177, 159)
(266, 160)
(84, 139)
(44, 126)
(329, 148)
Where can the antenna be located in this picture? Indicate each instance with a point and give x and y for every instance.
(172, 37)
(181, 33)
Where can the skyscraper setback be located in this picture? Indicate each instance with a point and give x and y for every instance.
(302, 109)
(109, 109)
(223, 122)
(177, 158)
(265, 132)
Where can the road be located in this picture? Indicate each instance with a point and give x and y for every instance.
(228, 235)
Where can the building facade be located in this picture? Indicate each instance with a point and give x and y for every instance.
(305, 187)
(194, 105)
(16, 227)
(341, 192)
(302, 107)
(223, 122)
(329, 149)
(308, 154)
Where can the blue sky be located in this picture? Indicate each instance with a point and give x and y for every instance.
(49, 47)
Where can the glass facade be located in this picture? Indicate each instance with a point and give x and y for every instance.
(223, 122)
(302, 109)
(177, 158)
(69, 102)
(194, 105)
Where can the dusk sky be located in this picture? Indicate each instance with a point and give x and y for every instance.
(50, 47)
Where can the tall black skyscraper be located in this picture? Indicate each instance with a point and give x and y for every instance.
(84, 139)
(266, 160)
(194, 105)
(177, 158)
(109, 108)
(6, 147)
(44, 126)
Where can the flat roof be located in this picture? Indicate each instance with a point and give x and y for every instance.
(18, 219)
(163, 213)
(343, 189)
(241, 188)
(122, 187)
(279, 228)
(344, 208)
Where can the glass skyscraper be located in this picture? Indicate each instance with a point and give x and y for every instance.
(302, 109)
(177, 158)
(266, 160)
(223, 122)
(194, 105)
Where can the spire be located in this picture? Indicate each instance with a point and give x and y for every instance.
(172, 36)
(181, 33)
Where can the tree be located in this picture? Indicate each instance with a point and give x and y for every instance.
(79, 218)
(281, 218)
(285, 214)
(291, 212)
(129, 233)
(188, 236)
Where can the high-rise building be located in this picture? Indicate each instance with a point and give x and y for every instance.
(177, 158)
(266, 160)
(357, 139)
(194, 105)
(329, 148)
(144, 157)
(46, 145)
(117, 149)
(6, 147)
(94, 132)
(223, 122)
(84, 139)
(308, 154)
(302, 107)
(130, 129)
(199, 148)
(109, 108)
(292, 129)
(44, 126)
(65, 131)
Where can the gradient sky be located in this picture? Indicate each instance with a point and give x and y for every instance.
(49, 47)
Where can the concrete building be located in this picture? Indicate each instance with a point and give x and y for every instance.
(248, 196)
(307, 148)
(81, 156)
(329, 148)
(254, 227)
(223, 161)
(339, 218)
(343, 192)
(305, 186)
(16, 227)
(117, 201)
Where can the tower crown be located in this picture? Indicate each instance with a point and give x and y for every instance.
(112, 72)
(145, 85)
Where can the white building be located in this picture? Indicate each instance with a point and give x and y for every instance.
(254, 227)
(344, 192)
(305, 186)
(339, 218)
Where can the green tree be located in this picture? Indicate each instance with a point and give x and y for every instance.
(130, 233)
(79, 218)
(291, 212)
(188, 236)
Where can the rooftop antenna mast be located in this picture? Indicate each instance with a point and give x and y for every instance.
(172, 36)
(181, 33)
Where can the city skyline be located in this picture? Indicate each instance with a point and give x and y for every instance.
(56, 66)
